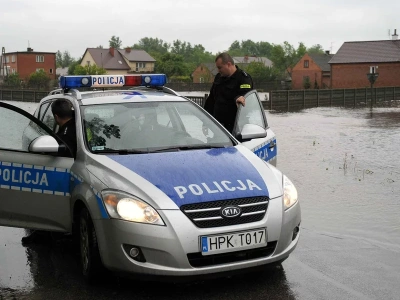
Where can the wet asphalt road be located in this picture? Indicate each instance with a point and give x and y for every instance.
(345, 166)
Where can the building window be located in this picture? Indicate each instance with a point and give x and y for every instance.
(39, 69)
(13, 71)
(306, 63)
(7, 59)
(13, 58)
(140, 65)
(51, 71)
(201, 79)
(88, 62)
(39, 58)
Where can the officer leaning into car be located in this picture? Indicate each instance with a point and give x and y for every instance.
(226, 94)
(64, 116)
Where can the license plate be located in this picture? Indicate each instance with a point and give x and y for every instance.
(235, 241)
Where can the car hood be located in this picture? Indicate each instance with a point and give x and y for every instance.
(193, 176)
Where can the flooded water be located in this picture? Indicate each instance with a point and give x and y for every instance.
(346, 167)
(345, 164)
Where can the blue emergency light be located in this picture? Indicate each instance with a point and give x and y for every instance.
(97, 81)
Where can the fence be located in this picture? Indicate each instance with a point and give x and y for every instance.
(349, 98)
(22, 95)
(287, 100)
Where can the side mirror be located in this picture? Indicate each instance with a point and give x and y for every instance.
(251, 131)
(45, 143)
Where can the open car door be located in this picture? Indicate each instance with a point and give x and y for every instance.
(251, 128)
(34, 177)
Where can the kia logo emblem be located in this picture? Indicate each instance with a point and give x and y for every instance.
(231, 211)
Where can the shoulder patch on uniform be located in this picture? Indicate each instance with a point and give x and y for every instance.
(245, 86)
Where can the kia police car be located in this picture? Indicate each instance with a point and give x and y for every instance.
(156, 187)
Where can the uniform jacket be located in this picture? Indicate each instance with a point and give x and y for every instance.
(67, 133)
(221, 103)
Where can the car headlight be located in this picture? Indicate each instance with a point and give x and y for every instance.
(289, 193)
(126, 207)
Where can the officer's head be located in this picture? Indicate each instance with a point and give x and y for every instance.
(225, 64)
(62, 111)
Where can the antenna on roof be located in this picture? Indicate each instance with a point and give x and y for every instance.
(389, 32)
(332, 47)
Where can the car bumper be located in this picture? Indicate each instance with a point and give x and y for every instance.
(169, 250)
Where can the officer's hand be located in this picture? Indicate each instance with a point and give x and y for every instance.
(241, 101)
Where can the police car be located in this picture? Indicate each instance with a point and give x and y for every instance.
(157, 186)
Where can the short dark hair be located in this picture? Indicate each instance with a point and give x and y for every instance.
(225, 57)
(62, 108)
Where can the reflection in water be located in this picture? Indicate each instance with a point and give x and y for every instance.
(54, 266)
(383, 118)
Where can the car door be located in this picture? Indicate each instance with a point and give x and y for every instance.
(253, 113)
(34, 187)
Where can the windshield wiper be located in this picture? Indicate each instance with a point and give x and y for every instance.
(183, 148)
(121, 151)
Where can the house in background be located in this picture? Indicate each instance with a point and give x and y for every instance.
(352, 62)
(314, 69)
(27, 62)
(244, 61)
(119, 61)
(204, 73)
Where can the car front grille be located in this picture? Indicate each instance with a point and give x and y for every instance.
(207, 214)
(197, 260)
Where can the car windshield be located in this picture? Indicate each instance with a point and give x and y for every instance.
(150, 127)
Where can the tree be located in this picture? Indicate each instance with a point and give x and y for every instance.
(59, 59)
(67, 59)
(71, 68)
(115, 42)
(12, 80)
(39, 80)
(306, 82)
(285, 56)
(172, 65)
(316, 49)
(99, 47)
(89, 70)
(152, 45)
(260, 72)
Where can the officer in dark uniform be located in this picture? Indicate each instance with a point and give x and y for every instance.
(227, 91)
(65, 118)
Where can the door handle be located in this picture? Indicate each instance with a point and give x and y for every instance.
(272, 145)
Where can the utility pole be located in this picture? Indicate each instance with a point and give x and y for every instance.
(372, 76)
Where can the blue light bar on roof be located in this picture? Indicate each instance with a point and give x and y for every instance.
(68, 82)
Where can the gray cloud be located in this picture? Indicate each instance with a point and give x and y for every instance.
(74, 25)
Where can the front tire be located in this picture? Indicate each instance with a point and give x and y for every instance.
(90, 261)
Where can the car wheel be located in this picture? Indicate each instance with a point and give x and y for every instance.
(90, 260)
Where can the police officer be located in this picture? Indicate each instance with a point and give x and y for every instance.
(227, 91)
(65, 118)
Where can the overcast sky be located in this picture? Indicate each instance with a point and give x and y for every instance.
(74, 25)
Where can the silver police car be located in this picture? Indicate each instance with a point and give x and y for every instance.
(156, 187)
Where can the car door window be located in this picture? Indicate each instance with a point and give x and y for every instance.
(251, 113)
(48, 118)
(42, 110)
(17, 130)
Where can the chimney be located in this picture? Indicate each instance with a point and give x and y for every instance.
(29, 49)
(395, 36)
(327, 52)
(112, 51)
(128, 50)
